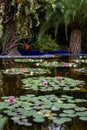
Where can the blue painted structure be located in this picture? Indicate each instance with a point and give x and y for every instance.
(37, 52)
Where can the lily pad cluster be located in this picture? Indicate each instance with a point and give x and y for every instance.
(82, 59)
(46, 63)
(55, 64)
(27, 109)
(35, 60)
(52, 83)
(82, 70)
(27, 71)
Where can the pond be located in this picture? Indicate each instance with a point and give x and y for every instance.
(46, 93)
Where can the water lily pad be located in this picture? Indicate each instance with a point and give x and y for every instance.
(63, 115)
(55, 108)
(80, 108)
(58, 109)
(55, 64)
(69, 111)
(67, 106)
(15, 118)
(83, 118)
(25, 71)
(61, 120)
(29, 60)
(39, 120)
(45, 111)
(82, 70)
(28, 124)
(82, 114)
(38, 83)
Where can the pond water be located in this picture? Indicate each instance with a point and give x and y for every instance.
(47, 93)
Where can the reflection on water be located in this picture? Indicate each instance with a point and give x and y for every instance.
(75, 125)
(11, 85)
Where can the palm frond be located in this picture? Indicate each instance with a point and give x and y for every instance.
(68, 12)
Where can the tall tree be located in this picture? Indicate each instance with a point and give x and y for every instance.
(72, 14)
(20, 16)
(9, 45)
(17, 23)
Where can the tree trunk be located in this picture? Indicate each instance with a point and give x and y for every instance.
(75, 41)
(9, 45)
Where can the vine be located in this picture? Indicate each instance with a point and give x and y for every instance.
(1, 18)
(27, 15)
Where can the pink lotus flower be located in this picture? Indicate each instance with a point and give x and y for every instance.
(45, 83)
(11, 99)
(57, 77)
(45, 62)
(23, 70)
(66, 65)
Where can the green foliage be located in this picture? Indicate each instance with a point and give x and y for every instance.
(71, 13)
(46, 43)
(27, 15)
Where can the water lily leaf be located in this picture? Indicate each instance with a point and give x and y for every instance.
(67, 106)
(80, 108)
(15, 118)
(65, 96)
(69, 111)
(83, 114)
(45, 111)
(62, 120)
(55, 108)
(72, 115)
(37, 115)
(28, 124)
(63, 115)
(52, 117)
(83, 118)
(79, 100)
(39, 119)
(82, 70)
(71, 101)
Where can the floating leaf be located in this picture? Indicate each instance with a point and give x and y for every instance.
(83, 118)
(39, 120)
(69, 111)
(36, 83)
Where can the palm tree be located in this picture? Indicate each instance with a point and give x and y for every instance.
(72, 14)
